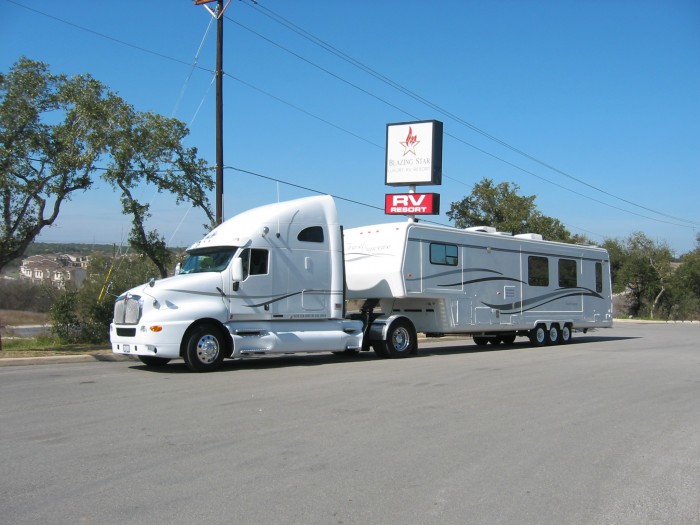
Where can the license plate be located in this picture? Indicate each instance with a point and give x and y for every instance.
(126, 349)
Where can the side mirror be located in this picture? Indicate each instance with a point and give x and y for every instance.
(237, 272)
(177, 269)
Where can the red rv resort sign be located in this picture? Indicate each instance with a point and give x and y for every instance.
(412, 203)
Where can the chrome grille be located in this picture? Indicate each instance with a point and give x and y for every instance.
(127, 309)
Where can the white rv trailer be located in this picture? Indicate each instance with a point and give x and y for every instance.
(273, 280)
(478, 281)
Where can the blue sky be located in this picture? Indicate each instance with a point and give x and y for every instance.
(594, 106)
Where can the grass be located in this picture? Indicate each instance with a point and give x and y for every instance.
(46, 346)
(38, 346)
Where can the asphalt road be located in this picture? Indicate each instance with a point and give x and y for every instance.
(603, 431)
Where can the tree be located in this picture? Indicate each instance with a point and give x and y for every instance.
(500, 206)
(52, 132)
(83, 315)
(643, 269)
(147, 148)
(684, 296)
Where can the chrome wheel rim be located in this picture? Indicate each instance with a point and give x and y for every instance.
(207, 349)
(401, 340)
(553, 334)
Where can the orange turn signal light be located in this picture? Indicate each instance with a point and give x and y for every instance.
(155, 328)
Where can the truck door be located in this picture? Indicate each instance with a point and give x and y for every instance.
(253, 298)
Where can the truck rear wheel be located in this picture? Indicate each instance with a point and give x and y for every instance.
(401, 339)
(205, 348)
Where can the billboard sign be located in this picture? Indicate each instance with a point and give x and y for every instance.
(414, 153)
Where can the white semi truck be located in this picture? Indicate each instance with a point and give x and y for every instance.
(277, 279)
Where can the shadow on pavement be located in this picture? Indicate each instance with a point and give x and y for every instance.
(449, 348)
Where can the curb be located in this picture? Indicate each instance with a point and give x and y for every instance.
(61, 359)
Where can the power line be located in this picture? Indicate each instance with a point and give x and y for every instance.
(347, 58)
(301, 110)
(192, 69)
(107, 37)
(358, 64)
(481, 150)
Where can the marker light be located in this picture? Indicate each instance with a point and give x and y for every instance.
(155, 328)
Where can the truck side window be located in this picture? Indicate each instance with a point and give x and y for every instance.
(567, 273)
(255, 262)
(445, 254)
(311, 234)
(537, 271)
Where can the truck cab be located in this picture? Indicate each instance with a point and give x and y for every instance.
(269, 280)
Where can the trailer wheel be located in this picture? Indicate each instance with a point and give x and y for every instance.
(538, 335)
(401, 339)
(205, 348)
(566, 334)
(554, 335)
(508, 339)
(480, 340)
(149, 360)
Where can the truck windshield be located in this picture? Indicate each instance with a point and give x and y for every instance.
(209, 260)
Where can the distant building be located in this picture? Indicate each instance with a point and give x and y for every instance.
(58, 270)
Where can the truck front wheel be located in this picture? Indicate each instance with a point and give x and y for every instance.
(204, 349)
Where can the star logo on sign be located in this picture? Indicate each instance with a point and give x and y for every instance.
(409, 145)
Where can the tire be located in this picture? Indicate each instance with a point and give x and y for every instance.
(554, 335)
(480, 340)
(401, 340)
(149, 360)
(508, 339)
(205, 348)
(380, 350)
(566, 334)
(538, 335)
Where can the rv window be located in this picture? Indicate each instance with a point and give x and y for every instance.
(537, 271)
(312, 234)
(444, 254)
(598, 277)
(567, 273)
(254, 262)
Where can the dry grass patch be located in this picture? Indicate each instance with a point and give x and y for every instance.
(20, 318)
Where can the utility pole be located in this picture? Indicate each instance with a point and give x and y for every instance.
(219, 15)
(219, 112)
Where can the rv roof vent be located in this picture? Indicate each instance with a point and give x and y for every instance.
(504, 234)
(481, 229)
(530, 236)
